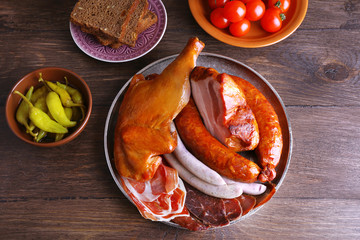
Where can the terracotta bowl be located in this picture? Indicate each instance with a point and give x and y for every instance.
(257, 37)
(31, 79)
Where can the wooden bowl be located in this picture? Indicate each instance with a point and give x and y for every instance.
(51, 74)
(257, 37)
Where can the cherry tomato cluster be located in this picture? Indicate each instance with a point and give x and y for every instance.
(237, 15)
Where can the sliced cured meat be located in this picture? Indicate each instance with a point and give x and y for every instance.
(224, 110)
(190, 223)
(247, 203)
(212, 211)
(233, 209)
(159, 199)
(209, 210)
(165, 180)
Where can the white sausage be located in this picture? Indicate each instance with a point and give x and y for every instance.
(219, 191)
(248, 188)
(195, 166)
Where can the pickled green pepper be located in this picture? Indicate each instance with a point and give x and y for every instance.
(77, 115)
(57, 111)
(75, 96)
(68, 112)
(74, 93)
(41, 104)
(64, 95)
(41, 135)
(22, 113)
(41, 119)
(40, 92)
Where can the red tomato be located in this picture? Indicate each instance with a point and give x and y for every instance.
(271, 21)
(217, 3)
(284, 5)
(255, 10)
(246, 1)
(241, 28)
(234, 11)
(217, 18)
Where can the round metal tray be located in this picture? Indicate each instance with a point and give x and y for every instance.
(221, 64)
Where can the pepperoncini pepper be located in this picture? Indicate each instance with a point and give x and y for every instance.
(77, 115)
(68, 113)
(41, 119)
(74, 93)
(40, 92)
(41, 104)
(22, 113)
(64, 95)
(41, 135)
(57, 111)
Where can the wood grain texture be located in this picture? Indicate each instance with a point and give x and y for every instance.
(68, 193)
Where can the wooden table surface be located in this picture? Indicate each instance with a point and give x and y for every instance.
(68, 193)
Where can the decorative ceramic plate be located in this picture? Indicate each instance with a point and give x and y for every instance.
(221, 64)
(146, 41)
(257, 37)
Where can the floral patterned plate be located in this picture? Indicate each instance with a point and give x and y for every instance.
(146, 41)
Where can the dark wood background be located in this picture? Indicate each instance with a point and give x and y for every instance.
(68, 193)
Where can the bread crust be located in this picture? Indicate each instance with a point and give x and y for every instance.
(145, 22)
(113, 22)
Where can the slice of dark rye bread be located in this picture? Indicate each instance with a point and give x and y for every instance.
(114, 43)
(114, 19)
(108, 41)
(145, 22)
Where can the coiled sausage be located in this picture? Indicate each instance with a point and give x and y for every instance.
(271, 143)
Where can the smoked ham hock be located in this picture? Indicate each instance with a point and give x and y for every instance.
(142, 131)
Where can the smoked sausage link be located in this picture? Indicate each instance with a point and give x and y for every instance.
(209, 150)
(271, 143)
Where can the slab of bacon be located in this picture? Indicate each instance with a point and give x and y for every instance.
(223, 108)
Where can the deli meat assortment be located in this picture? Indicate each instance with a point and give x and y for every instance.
(177, 141)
